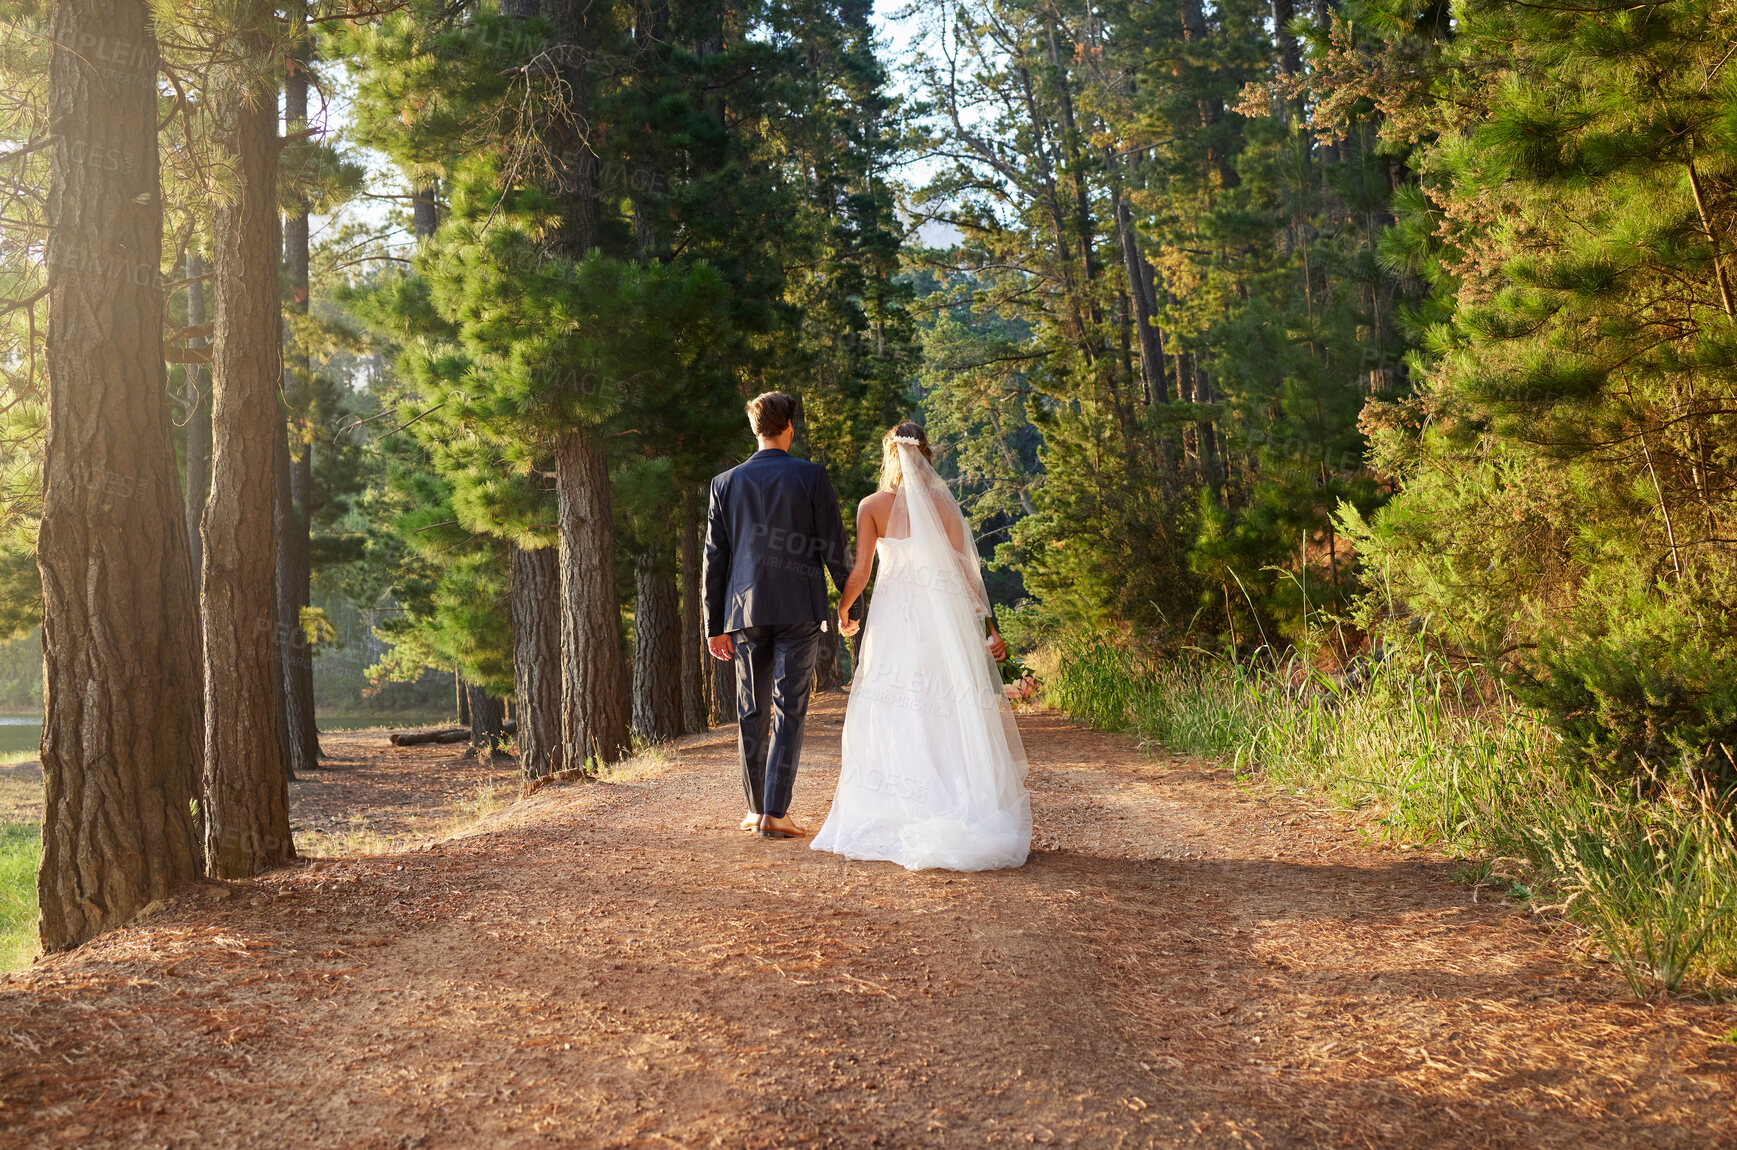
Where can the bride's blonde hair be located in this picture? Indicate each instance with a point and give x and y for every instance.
(891, 471)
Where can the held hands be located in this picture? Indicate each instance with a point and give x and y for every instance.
(723, 648)
(997, 647)
(846, 625)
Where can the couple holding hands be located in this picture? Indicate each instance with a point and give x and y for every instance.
(933, 771)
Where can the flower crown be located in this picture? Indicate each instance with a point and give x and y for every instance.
(910, 439)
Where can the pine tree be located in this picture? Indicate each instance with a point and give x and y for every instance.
(246, 792)
(1566, 477)
(120, 743)
(294, 514)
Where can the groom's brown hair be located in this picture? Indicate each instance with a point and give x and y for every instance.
(771, 413)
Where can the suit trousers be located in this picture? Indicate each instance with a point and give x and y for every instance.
(774, 675)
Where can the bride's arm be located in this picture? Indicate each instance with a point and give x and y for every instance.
(867, 535)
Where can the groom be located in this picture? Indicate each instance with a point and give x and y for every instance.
(772, 530)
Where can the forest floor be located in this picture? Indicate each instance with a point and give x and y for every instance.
(1186, 960)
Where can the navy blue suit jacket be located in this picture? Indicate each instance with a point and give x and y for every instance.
(773, 533)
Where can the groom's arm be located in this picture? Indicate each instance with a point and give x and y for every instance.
(829, 531)
(716, 575)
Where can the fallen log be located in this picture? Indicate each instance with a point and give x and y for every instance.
(430, 735)
(442, 735)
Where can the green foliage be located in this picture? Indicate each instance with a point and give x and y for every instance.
(1183, 485)
(1566, 472)
(730, 254)
(1651, 696)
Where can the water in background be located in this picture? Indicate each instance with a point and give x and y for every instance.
(20, 733)
(343, 696)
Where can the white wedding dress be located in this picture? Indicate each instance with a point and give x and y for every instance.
(934, 770)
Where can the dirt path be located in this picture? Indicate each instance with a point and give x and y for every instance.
(1181, 963)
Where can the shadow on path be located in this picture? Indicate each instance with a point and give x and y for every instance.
(613, 965)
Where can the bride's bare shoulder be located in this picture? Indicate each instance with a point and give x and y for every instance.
(877, 508)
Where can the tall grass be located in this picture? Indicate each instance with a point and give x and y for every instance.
(1434, 756)
(20, 852)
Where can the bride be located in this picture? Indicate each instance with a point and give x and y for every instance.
(934, 771)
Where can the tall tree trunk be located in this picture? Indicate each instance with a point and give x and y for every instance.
(536, 606)
(1211, 104)
(463, 698)
(487, 721)
(578, 25)
(693, 636)
(594, 689)
(295, 553)
(120, 741)
(1290, 60)
(1085, 232)
(1142, 291)
(424, 210)
(1211, 467)
(723, 679)
(594, 694)
(283, 613)
(246, 786)
(826, 676)
(657, 635)
(198, 484)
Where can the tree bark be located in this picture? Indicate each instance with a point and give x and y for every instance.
(488, 719)
(536, 606)
(826, 676)
(283, 612)
(1086, 232)
(1211, 104)
(463, 697)
(120, 741)
(198, 484)
(429, 735)
(246, 785)
(1290, 58)
(723, 676)
(657, 635)
(693, 632)
(578, 24)
(1211, 470)
(295, 551)
(424, 210)
(1142, 293)
(594, 689)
